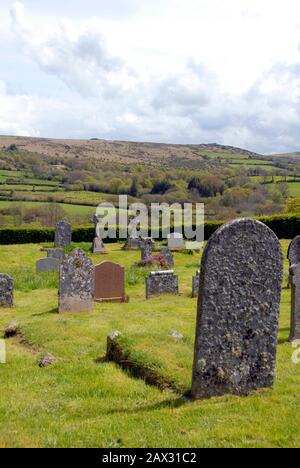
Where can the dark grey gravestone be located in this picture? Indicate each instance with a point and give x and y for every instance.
(147, 249)
(6, 290)
(161, 282)
(293, 255)
(76, 283)
(47, 264)
(195, 284)
(63, 234)
(295, 302)
(165, 251)
(238, 310)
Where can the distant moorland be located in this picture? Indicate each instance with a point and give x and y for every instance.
(43, 180)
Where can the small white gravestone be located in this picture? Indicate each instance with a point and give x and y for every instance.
(2, 352)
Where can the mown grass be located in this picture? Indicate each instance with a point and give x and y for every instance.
(78, 402)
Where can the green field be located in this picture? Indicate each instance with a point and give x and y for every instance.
(78, 402)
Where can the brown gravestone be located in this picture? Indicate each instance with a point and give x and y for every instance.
(110, 283)
(238, 310)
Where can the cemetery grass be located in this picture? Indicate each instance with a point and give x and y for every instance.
(84, 401)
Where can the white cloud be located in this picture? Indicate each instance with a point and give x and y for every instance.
(196, 72)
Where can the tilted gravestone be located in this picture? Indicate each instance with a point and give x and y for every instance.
(295, 302)
(195, 284)
(165, 251)
(76, 283)
(176, 241)
(63, 234)
(6, 290)
(238, 310)
(47, 264)
(161, 282)
(110, 283)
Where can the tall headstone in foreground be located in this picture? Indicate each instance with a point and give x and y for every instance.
(63, 234)
(6, 290)
(110, 283)
(295, 302)
(76, 283)
(238, 310)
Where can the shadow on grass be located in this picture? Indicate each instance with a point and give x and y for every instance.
(166, 404)
(48, 312)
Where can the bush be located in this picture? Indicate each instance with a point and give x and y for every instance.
(285, 227)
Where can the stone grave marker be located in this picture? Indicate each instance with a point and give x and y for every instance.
(63, 234)
(110, 283)
(147, 249)
(293, 255)
(176, 241)
(161, 282)
(6, 290)
(295, 302)
(76, 283)
(47, 264)
(238, 310)
(54, 253)
(98, 244)
(195, 284)
(165, 251)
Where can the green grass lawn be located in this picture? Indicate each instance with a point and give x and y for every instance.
(77, 402)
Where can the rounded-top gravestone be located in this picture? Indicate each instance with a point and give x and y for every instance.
(63, 234)
(293, 253)
(238, 310)
(6, 290)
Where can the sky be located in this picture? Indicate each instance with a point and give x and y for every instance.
(174, 71)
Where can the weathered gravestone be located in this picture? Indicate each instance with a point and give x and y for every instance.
(6, 290)
(238, 310)
(76, 283)
(133, 243)
(175, 241)
(63, 234)
(165, 251)
(54, 253)
(161, 282)
(293, 255)
(147, 249)
(110, 283)
(98, 245)
(295, 302)
(47, 264)
(195, 284)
